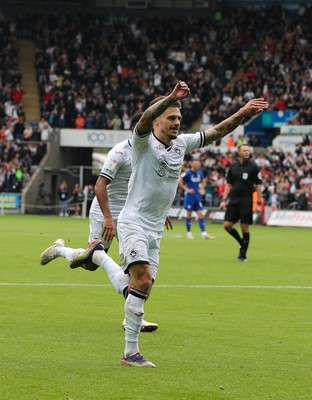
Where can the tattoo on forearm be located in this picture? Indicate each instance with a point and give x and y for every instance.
(221, 130)
(153, 112)
(158, 108)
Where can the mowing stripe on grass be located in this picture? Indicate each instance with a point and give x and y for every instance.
(159, 286)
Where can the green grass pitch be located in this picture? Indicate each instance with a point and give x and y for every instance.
(227, 330)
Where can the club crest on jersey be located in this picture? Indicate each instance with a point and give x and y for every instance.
(134, 254)
(245, 175)
(177, 151)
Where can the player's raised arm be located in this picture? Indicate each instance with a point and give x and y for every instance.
(145, 125)
(253, 107)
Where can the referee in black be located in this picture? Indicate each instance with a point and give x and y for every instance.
(243, 178)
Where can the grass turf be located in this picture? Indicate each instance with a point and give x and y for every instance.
(227, 330)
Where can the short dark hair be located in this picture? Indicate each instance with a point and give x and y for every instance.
(175, 104)
(135, 119)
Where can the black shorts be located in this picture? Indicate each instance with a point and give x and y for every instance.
(239, 209)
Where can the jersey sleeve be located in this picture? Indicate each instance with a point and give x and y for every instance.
(229, 177)
(138, 143)
(115, 159)
(194, 141)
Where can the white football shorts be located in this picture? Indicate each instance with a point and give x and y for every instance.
(137, 244)
(96, 226)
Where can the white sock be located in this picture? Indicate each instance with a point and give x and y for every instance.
(134, 311)
(67, 252)
(115, 273)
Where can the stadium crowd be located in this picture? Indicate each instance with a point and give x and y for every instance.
(96, 71)
(20, 146)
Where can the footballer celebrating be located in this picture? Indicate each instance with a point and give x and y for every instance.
(157, 156)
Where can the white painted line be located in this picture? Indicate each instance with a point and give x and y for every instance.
(160, 286)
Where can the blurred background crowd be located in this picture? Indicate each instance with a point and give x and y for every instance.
(95, 72)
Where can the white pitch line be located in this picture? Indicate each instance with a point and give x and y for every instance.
(160, 286)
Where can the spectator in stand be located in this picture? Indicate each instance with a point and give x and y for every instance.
(239, 141)
(230, 141)
(80, 121)
(45, 129)
(211, 197)
(9, 134)
(302, 200)
(18, 128)
(282, 190)
(116, 122)
(306, 140)
(77, 199)
(27, 133)
(3, 134)
(17, 94)
(254, 141)
(206, 115)
(126, 121)
(89, 121)
(63, 198)
(10, 110)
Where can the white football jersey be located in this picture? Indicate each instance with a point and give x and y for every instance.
(155, 172)
(117, 168)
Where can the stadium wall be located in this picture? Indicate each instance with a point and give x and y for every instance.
(59, 163)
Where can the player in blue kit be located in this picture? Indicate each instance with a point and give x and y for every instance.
(193, 183)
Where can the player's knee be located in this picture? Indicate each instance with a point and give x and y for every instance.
(145, 283)
(141, 277)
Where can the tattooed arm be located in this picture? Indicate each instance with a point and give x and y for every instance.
(145, 125)
(253, 107)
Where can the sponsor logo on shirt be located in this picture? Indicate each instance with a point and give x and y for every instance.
(165, 170)
(161, 169)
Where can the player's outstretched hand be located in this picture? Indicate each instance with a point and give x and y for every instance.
(254, 107)
(180, 91)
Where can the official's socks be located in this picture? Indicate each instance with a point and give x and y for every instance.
(245, 243)
(236, 236)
